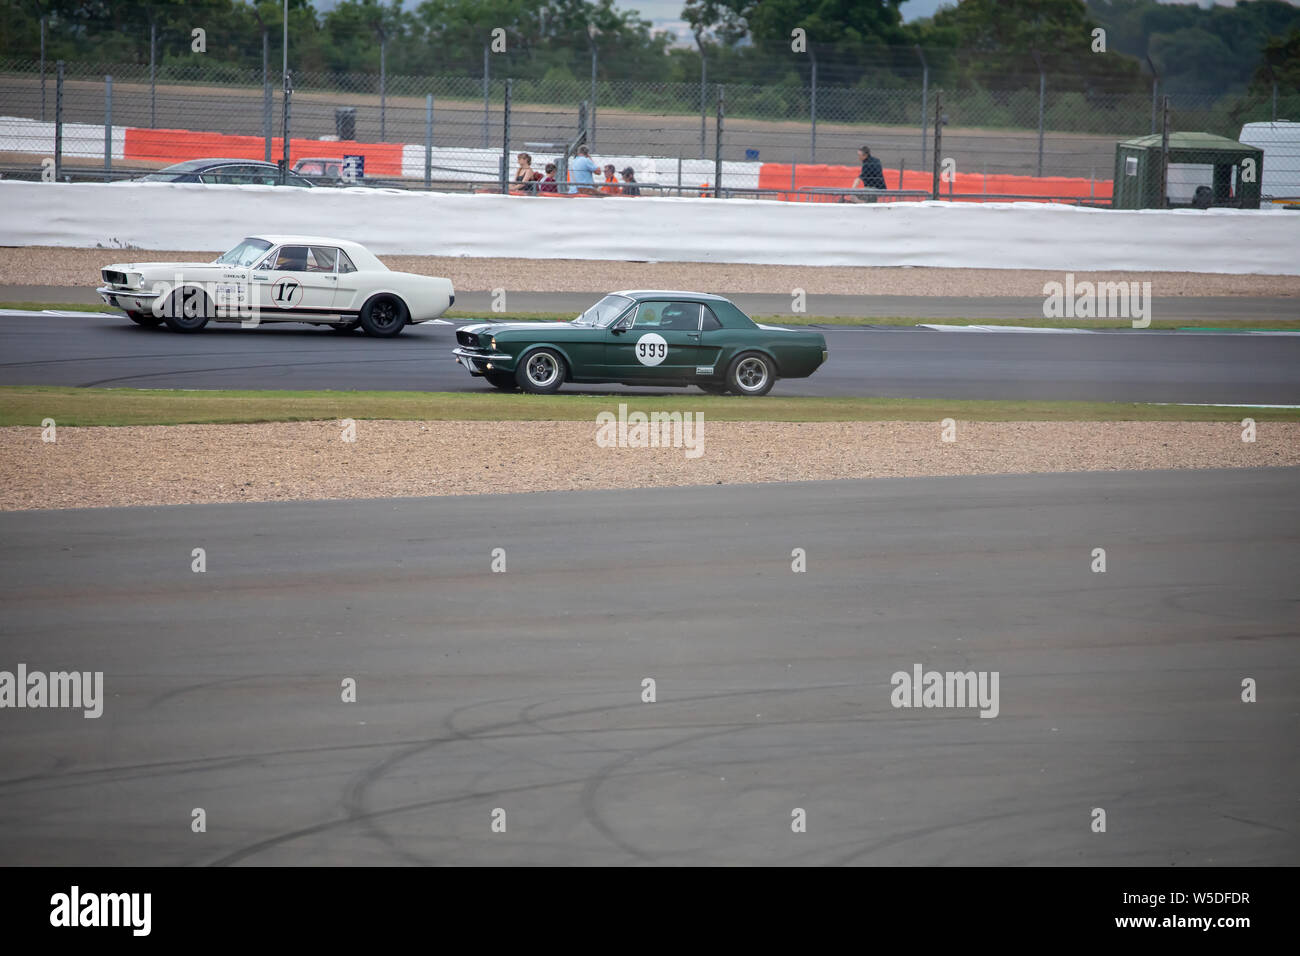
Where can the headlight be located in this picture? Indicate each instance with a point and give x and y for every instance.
(492, 342)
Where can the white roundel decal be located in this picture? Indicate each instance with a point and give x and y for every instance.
(651, 349)
(286, 293)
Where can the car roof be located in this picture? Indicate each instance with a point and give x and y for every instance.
(308, 241)
(640, 294)
(193, 165)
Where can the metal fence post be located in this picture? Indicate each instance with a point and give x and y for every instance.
(266, 93)
(288, 96)
(704, 104)
(153, 77)
(591, 124)
(813, 109)
(505, 141)
(1164, 155)
(108, 128)
(42, 69)
(1155, 92)
(383, 99)
(1042, 106)
(925, 97)
(487, 105)
(938, 141)
(717, 148)
(58, 121)
(428, 141)
(679, 174)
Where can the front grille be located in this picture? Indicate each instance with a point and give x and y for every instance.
(114, 278)
(467, 339)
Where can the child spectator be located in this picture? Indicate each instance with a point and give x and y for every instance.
(610, 177)
(630, 177)
(548, 181)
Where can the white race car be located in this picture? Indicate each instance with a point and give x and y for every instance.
(278, 279)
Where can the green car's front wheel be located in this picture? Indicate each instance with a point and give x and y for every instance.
(502, 380)
(541, 372)
(147, 319)
(752, 373)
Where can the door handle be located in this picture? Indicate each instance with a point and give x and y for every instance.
(693, 336)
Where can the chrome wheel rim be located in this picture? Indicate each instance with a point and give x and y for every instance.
(542, 369)
(751, 374)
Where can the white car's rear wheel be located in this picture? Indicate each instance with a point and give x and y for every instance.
(384, 316)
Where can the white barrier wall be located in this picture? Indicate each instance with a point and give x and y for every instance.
(954, 235)
(80, 140)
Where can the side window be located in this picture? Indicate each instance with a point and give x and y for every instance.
(292, 259)
(681, 317)
(710, 320)
(668, 316)
(321, 259)
(345, 264)
(649, 315)
(240, 175)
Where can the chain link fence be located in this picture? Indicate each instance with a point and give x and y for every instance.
(455, 132)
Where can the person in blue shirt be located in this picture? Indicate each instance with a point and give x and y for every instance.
(583, 172)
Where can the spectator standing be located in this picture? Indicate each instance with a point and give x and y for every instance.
(583, 172)
(629, 177)
(870, 176)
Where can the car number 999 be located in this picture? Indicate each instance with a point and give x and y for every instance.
(652, 350)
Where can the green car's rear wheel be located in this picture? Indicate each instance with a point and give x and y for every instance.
(541, 372)
(713, 389)
(752, 373)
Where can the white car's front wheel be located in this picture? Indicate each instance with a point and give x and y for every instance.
(187, 309)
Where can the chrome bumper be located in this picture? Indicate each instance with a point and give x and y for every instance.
(465, 355)
(109, 295)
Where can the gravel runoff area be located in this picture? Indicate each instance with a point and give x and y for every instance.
(52, 266)
(158, 465)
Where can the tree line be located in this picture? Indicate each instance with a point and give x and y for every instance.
(998, 45)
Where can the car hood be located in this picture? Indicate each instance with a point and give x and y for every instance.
(157, 266)
(497, 327)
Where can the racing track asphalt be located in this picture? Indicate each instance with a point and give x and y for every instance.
(523, 690)
(1123, 365)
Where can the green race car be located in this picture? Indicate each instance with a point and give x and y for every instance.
(642, 338)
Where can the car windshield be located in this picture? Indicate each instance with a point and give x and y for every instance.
(604, 312)
(246, 253)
